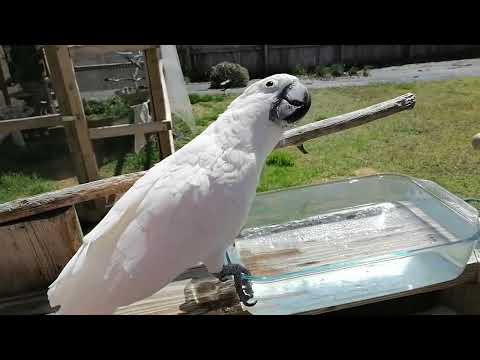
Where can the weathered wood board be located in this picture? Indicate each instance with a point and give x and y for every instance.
(35, 250)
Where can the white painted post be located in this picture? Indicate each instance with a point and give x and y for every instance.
(177, 90)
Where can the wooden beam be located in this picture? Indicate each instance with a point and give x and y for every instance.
(70, 102)
(346, 121)
(4, 87)
(93, 50)
(35, 249)
(103, 188)
(34, 122)
(266, 60)
(159, 100)
(204, 295)
(21, 208)
(127, 129)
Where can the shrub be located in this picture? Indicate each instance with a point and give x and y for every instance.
(237, 74)
(322, 71)
(311, 69)
(114, 107)
(299, 70)
(337, 69)
(366, 70)
(353, 71)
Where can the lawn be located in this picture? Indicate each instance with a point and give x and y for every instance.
(431, 141)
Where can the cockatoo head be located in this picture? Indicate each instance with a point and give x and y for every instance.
(282, 97)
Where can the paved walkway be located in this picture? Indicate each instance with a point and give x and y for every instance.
(444, 70)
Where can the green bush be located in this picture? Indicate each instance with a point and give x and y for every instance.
(280, 159)
(353, 71)
(366, 70)
(237, 74)
(299, 70)
(311, 69)
(322, 71)
(337, 69)
(115, 107)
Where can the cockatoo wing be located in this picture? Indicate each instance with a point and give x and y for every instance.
(164, 224)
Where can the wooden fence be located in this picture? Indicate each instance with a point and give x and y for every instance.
(263, 60)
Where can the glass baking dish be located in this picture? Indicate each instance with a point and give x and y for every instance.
(325, 245)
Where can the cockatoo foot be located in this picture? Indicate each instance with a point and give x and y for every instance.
(242, 285)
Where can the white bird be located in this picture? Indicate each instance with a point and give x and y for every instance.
(187, 209)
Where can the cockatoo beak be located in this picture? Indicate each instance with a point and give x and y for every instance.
(292, 104)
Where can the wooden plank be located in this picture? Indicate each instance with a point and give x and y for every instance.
(20, 208)
(127, 129)
(70, 102)
(36, 249)
(266, 60)
(3, 85)
(199, 293)
(34, 122)
(95, 50)
(346, 121)
(35, 303)
(24, 207)
(159, 100)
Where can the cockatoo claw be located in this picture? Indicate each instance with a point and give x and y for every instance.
(242, 285)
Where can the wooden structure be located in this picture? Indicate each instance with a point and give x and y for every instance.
(62, 73)
(41, 233)
(72, 116)
(3, 85)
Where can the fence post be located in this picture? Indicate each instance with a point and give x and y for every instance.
(76, 130)
(3, 86)
(159, 96)
(266, 60)
(70, 103)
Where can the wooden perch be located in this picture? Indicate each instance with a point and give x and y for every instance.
(346, 121)
(21, 208)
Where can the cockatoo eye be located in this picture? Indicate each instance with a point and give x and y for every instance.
(270, 84)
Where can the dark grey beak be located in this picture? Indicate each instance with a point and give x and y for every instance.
(299, 97)
(292, 103)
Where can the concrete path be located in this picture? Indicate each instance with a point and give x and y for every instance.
(444, 70)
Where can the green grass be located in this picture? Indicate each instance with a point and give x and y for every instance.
(17, 185)
(432, 141)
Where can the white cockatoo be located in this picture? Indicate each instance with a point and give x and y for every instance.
(187, 209)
